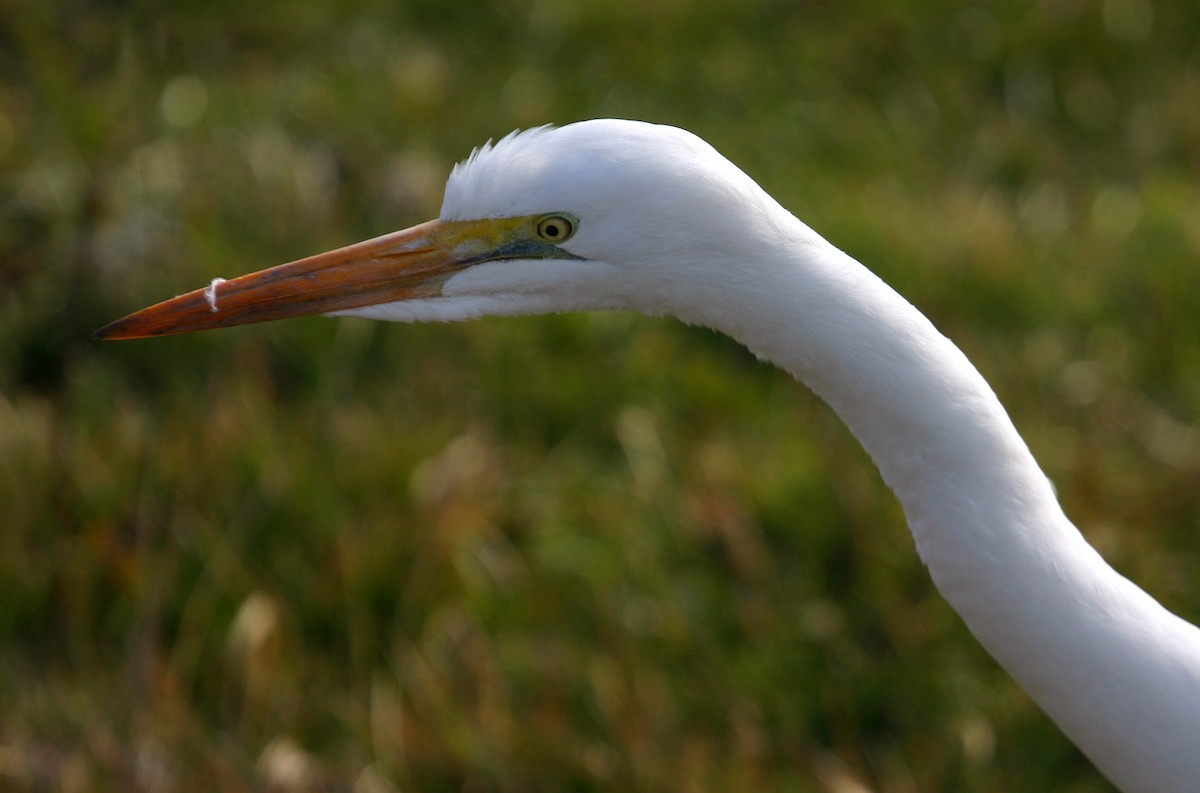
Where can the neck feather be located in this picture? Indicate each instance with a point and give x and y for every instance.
(1079, 637)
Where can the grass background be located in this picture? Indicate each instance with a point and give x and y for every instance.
(566, 553)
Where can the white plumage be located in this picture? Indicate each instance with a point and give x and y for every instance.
(663, 224)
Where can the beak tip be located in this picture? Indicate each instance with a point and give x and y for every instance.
(107, 332)
(122, 329)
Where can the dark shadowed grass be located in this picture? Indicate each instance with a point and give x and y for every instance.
(561, 553)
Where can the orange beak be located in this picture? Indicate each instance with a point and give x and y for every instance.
(408, 264)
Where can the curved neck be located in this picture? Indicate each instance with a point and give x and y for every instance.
(1081, 639)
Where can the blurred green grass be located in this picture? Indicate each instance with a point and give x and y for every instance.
(560, 553)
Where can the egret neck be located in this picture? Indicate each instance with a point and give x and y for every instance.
(1105, 660)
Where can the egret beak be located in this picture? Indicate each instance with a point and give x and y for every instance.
(408, 264)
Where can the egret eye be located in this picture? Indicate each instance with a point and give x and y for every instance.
(554, 228)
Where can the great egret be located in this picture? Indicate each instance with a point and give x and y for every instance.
(610, 214)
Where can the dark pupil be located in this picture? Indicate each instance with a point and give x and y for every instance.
(552, 230)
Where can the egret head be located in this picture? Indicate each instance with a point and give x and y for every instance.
(598, 214)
